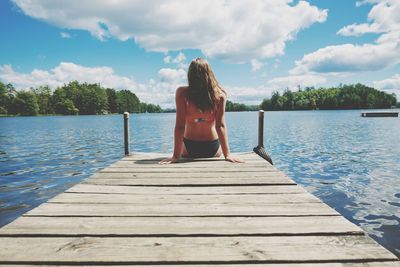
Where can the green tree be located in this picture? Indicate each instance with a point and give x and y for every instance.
(43, 95)
(127, 101)
(71, 98)
(143, 107)
(112, 100)
(266, 104)
(87, 98)
(25, 103)
(94, 99)
(57, 99)
(4, 99)
(151, 108)
(7, 97)
(342, 97)
(66, 107)
(231, 106)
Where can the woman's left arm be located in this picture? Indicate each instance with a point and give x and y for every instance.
(179, 130)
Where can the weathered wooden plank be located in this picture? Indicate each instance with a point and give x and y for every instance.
(162, 209)
(184, 164)
(192, 250)
(150, 159)
(157, 156)
(246, 158)
(179, 226)
(329, 264)
(206, 164)
(176, 199)
(185, 190)
(164, 169)
(195, 162)
(190, 181)
(198, 175)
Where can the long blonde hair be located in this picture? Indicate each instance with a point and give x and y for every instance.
(204, 89)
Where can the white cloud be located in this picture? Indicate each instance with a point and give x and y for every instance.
(64, 73)
(256, 65)
(349, 58)
(384, 52)
(365, 2)
(384, 17)
(174, 76)
(391, 85)
(160, 91)
(233, 30)
(167, 59)
(294, 81)
(179, 58)
(247, 95)
(65, 35)
(359, 29)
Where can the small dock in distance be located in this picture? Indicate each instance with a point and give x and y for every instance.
(202, 212)
(379, 114)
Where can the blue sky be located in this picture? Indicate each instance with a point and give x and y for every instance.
(255, 47)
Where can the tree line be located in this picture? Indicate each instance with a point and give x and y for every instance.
(84, 98)
(357, 96)
(70, 99)
(232, 106)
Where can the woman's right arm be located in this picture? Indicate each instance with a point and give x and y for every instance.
(220, 126)
(223, 132)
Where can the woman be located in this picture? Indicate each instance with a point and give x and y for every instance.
(200, 117)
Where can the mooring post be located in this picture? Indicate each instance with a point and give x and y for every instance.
(261, 128)
(126, 132)
(260, 150)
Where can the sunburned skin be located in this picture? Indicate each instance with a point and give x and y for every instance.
(200, 117)
(199, 126)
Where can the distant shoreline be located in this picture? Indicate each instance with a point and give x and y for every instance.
(78, 115)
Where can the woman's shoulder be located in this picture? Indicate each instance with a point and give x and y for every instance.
(222, 97)
(182, 90)
(181, 93)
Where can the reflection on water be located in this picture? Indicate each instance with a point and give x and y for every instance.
(351, 163)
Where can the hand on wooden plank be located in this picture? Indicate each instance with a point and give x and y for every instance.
(233, 159)
(168, 160)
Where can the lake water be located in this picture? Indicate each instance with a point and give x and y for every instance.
(351, 163)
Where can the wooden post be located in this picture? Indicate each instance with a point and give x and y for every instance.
(261, 128)
(126, 132)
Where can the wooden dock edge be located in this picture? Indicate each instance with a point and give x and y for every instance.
(203, 212)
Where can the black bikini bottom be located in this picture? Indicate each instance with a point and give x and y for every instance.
(201, 149)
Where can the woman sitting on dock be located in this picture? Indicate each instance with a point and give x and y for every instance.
(200, 130)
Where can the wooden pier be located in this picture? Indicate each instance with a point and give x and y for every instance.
(204, 212)
(379, 114)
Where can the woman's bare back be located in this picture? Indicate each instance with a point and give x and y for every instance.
(200, 125)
